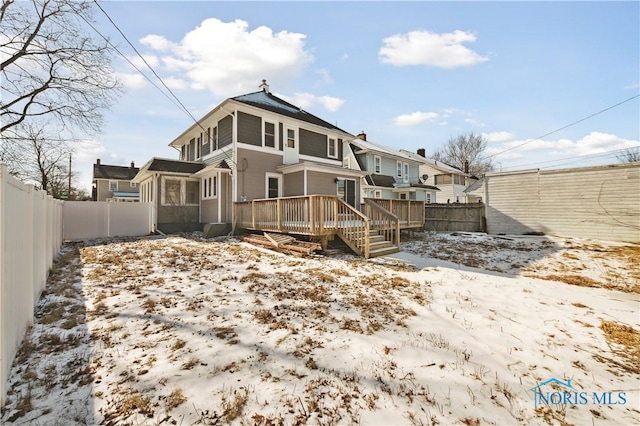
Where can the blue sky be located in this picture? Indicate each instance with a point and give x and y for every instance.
(410, 74)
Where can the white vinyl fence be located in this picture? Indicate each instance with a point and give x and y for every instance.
(30, 239)
(88, 219)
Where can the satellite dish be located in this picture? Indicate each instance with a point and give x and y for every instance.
(425, 177)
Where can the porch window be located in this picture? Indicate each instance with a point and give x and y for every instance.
(192, 192)
(377, 164)
(210, 187)
(133, 184)
(332, 148)
(377, 193)
(172, 191)
(428, 200)
(403, 196)
(269, 135)
(113, 185)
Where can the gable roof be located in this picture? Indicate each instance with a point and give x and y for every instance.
(360, 146)
(447, 168)
(105, 171)
(268, 101)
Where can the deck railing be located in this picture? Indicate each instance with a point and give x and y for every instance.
(383, 221)
(316, 215)
(410, 213)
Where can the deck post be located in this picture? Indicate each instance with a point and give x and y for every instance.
(312, 216)
(253, 214)
(279, 213)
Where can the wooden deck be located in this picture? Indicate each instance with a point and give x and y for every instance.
(373, 232)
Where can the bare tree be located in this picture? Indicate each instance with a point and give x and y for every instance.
(629, 155)
(468, 147)
(35, 154)
(52, 66)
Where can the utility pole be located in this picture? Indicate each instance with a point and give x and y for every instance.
(69, 190)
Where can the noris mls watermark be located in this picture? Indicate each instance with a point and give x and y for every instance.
(558, 392)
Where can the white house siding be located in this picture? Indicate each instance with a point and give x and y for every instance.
(450, 191)
(595, 202)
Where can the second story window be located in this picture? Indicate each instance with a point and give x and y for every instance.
(269, 134)
(291, 138)
(332, 149)
(405, 172)
(398, 169)
(377, 164)
(113, 185)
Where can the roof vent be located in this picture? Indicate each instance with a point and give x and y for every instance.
(264, 86)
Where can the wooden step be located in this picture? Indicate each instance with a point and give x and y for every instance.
(380, 244)
(383, 251)
(376, 238)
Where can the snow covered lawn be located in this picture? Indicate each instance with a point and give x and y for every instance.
(189, 331)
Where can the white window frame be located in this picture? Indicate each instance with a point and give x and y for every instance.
(209, 187)
(399, 169)
(286, 138)
(183, 191)
(275, 134)
(377, 194)
(428, 198)
(335, 147)
(133, 184)
(266, 183)
(346, 162)
(405, 172)
(111, 183)
(377, 164)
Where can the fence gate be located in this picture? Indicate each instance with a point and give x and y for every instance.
(455, 217)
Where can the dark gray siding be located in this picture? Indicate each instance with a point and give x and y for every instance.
(251, 181)
(225, 131)
(249, 129)
(192, 149)
(293, 184)
(280, 137)
(312, 143)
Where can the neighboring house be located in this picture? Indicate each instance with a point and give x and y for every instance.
(114, 183)
(475, 191)
(391, 174)
(249, 147)
(450, 180)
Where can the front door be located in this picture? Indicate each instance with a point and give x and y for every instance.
(291, 146)
(347, 191)
(273, 185)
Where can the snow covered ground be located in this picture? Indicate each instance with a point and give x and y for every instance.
(456, 329)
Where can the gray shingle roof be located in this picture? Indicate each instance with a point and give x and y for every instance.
(380, 180)
(105, 171)
(269, 102)
(163, 165)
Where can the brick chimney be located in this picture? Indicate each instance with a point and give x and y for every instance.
(264, 86)
(133, 166)
(362, 135)
(466, 166)
(98, 162)
(421, 152)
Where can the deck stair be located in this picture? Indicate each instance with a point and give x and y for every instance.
(372, 232)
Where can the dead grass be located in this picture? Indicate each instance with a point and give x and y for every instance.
(624, 341)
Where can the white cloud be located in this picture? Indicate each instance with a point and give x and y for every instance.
(593, 143)
(474, 122)
(633, 86)
(228, 58)
(499, 136)
(415, 118)
(131, 80)
(307, 100)
(152, 60)
(426, 48)
(325, 77)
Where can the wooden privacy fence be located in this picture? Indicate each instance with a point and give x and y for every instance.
(89, 219)
(30, 239)
(455, 217)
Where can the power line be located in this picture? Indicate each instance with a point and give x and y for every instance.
(579, 158)
(562, 128)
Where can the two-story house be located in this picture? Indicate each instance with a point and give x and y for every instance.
(391, 174)
(450, 180)
(249, 147)
(114, 183)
